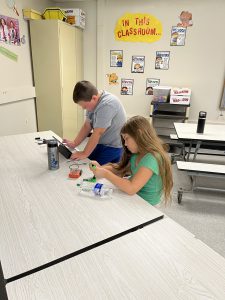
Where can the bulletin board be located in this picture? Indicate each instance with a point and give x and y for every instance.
(15, 58)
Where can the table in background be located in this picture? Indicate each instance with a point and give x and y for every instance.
(43, 217)
(162, 261)
(214, 135)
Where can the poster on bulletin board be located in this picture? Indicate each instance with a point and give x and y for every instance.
(9, 31)
(127, 86)
(178, 35)
(137, 64)
(162, 60)
(150, 83)
(116, 58)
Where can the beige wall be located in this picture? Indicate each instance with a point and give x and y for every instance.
(198, 65)
(89, 35)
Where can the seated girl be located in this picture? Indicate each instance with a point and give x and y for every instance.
(144, 159)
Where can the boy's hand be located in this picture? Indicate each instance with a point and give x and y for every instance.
(78, 155)
(69, 143)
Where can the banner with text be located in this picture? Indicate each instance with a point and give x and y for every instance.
(138, 27)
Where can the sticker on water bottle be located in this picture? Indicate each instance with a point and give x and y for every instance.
(97, 189)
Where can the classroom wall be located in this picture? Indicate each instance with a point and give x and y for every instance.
(198, 65)
(17, 110)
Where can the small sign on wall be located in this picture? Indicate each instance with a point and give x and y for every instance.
(116, 58)
(137, 64)
(185, 19)
(162, 60)
(112, 78)
(178, 35)
(150, 83)
(9, 30)
(127, 86)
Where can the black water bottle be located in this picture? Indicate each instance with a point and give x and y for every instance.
(201, 121)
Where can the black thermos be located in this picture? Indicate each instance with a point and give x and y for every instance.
(201, 121)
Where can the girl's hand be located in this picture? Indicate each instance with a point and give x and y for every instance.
(98, 171)
(69, 143)
(92, 164)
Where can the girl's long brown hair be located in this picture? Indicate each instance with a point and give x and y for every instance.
(147, 140)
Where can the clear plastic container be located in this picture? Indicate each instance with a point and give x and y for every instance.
(91, 189)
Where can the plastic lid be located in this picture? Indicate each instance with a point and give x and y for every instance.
(52, 143)
(202, 114)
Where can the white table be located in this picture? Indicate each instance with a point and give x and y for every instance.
(201, 167)
(161, 262)
(43, 217)
(214, 134)
(195, 170)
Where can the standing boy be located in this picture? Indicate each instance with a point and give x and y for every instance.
(105, 117)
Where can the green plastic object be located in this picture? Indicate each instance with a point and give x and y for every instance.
(92, 166)
(93, 179)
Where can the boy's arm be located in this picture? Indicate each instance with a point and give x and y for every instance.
(91, 144)
(93, 140)
(83, 133)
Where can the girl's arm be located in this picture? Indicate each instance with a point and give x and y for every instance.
(130, 186)
(106, 167)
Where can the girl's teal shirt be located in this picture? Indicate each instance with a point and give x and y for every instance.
(152, 190)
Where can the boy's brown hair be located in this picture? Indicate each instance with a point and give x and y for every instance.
(83, 91)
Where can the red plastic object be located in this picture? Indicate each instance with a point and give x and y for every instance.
(75, 173)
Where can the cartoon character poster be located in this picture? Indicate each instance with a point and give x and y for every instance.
(137, 64)
(9, 30)
(112, 77)
(116, 58)
(162, 60)
(150, 83)
(178, 35)
(185, 19)
(127, 86)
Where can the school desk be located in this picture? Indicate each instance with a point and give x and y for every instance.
(43, 217)
(162, 261)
